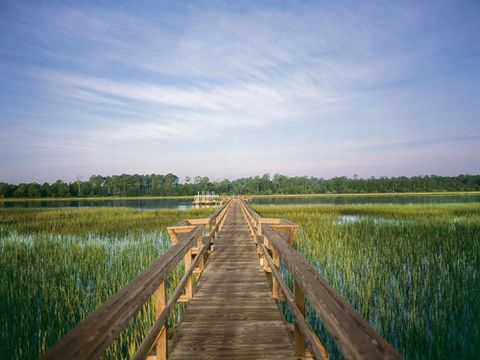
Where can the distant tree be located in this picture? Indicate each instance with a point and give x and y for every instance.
(21, 191)
(202, 184)
(45, 190)
(34, 190)
(98, 185)
(78, 181)
(86, 189)
(156, 184)
(6, 190)
(59, 189)
(222, 187)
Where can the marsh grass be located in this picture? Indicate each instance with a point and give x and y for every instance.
(412, 271)
(57, 266)
(98, 221)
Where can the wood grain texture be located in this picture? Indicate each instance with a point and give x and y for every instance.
(161, 321)
(94, 334)
(232, 314)
(355, 337)
(302, 331)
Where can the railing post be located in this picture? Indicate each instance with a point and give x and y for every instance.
(213, 229)
(188, 285)
(250, 221)
(259, 227)
(207, 228)
(161, 345)
(292, 232)
(264, 262)
(300, 302)
(201, 263)
(173, 236)
(276, 261)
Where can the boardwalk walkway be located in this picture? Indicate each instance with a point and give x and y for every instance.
(233, 314)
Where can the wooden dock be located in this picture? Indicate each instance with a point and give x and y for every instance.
(206, 199)
(233, 310)
(233, 315)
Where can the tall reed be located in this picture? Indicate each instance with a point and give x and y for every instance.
(57, 266)
(412, 271)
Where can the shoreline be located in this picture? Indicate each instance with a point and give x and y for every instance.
(260, 196)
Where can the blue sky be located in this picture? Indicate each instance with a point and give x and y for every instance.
(230, 89)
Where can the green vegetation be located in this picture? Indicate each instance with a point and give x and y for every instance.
(98, 221)
(169, 185)
(57, 266)
(412, 271)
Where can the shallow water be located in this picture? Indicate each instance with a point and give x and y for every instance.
(360, 200)
(147, 204)
(351, 219)
(297, 200)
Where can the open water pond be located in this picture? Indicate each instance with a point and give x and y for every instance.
(186, 203)
(367, 199)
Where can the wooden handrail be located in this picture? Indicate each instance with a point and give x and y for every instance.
(308, 335)
(93, 335)
(354, 336)
(149, 341)
(219, 210)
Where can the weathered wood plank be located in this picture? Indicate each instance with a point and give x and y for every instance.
(160, 322)
(302, 330)
(355, 337)
(232, 314)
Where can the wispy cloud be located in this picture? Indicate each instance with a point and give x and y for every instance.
(103, 78)
(172, 109)
(429, 142)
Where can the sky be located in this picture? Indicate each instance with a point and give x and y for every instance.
(230, 89)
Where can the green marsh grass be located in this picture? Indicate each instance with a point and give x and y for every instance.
(413, 271)
(57, 266)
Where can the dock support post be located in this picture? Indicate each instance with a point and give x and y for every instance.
(188, 285)
(264, 262)
(300, 302)
(161, 345)
(201, 263)
(276, 261)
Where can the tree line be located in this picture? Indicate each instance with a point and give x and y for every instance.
(170, 185)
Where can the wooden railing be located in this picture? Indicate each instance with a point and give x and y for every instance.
(191, 241)
(353, 335)
(273, 238)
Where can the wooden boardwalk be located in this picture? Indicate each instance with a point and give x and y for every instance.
(232, 314)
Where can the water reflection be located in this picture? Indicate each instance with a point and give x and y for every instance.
(146, 204)
(381, 199)
(187, 203)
